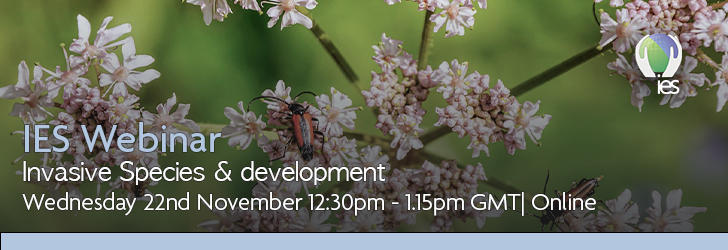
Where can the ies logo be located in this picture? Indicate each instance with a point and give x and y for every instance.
(659, 56)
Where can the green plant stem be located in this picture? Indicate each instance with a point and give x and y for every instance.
(207, 128)
(330, 48)
(435, 134)
(368, 139)
(335, 54)
(557, 70)
(426, 42)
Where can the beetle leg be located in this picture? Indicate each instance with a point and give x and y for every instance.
(548, 173)
(317, 122)
(582, 181)
(553, 223)
(591, 192)
(285, 149)
(567, 224)
(326, 160)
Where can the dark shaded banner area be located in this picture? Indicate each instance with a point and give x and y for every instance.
(308, 116)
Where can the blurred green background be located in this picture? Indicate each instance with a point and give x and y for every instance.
(595, 131)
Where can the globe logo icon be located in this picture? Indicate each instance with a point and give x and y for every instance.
(658, 55)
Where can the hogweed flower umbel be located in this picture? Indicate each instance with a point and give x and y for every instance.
(284, 10)
(623, 215)
(453, 15)
(695, 23)
(84, 107)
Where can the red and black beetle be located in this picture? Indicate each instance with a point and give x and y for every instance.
(303, 128)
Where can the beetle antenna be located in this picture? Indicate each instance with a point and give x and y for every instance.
(247, 109)
(557, 226)
(594, 12)
(524, 212)
(548, 173)
(305, 92)
(527, 213)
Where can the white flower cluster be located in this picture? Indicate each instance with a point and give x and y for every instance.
(485, 114)
(697, 26)
(623, 215)
(219, 9)
(454, 15)
(85, 104)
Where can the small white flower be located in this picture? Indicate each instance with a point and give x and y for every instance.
(630, 70)
(122, 109)
(428, 177)
(340, 150)
(243, 128)
(123, 75)
(291, 16)
(722, 95)
(166, 118)
(579, 221)
(72, 77)
(335, 112)
(613, 3)
(674, 218)
(456, 15)
(688, 82)
(366, 221)
(712, 27)
(212, 9)
(453, 78)
(481, 214)
(35, 101)
(524, 122)
(372, 157)
(483, 4)
(103, 41)
(225, 223)
(625, 32)
(248, 4)
(389, 54)
(312, 223)
(406, 135)
(620, 215)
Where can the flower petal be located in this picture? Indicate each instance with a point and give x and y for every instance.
(128, 50)
(112, 34)
(138, 61)
(84, 28)
(673, 200)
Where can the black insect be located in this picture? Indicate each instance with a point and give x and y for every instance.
(303, 127)
(138, 189)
